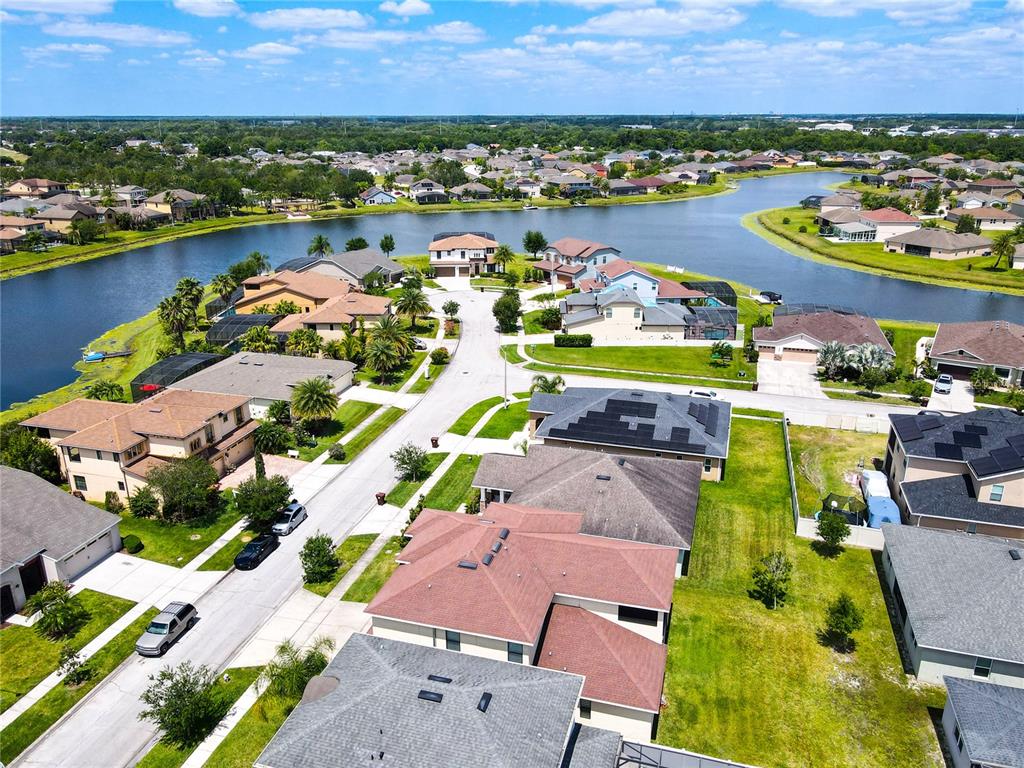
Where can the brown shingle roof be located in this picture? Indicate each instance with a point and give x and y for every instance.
(574, 246)
(455, 242)
(77, 415)
(985, 212)
(993, 342)
(824, 327)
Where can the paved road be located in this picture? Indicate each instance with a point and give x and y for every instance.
(105, 731)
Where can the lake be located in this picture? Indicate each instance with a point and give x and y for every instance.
(47, 317)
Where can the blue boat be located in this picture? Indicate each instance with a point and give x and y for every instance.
(95, 357)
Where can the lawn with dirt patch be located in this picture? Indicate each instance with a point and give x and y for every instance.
(405, 489)
(348, 552)
(350, 414)
(828, 461)
(177, 543)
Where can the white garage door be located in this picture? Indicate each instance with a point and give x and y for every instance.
(799, 356)
(88, 556)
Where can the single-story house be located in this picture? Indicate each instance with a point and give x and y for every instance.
(377, 196)
(635, 423)
(839, 201)
(336, 314)
(633, 498)
(405, 704)
(986, 217)
(888, 222)
(983, 724)
(352, 266)
(623, 188)
(49, 535)
(462, 254)
(958, 603)
(960, 348)
(939, 243)
(798, 332)
(993, 186)
(266, 378)
(472, 190)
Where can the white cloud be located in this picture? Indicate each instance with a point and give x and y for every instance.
(76, 7)
(461, 32)
(200, 59)
(786, 34)
(386, 62)
(263, 51)
(87, 51)
(127, 34)
(910, 12)
(530, 40)
(208, 9)
(406, 8)
(657, 22)
(309, 18)
(455, 32)
(222, 29)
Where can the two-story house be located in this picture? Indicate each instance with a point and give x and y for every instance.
(307, 290)
(619, 273)
(571, 259)
(180, 204)
(111, 447)
(36, 188)
(463, 254)
(963, 472)
(522, 584)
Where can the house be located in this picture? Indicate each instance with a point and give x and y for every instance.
(983, 723)
(142, 216)
(307, 290)
(336, 314)
(839, 202)
(799, 331)
(633, 498)
(635, 423)
(958, 603)
(377, 196)
(472, 191)
(22, 206)
(623, 188)
(619, 315)
(908, 175)
(620, 273)
(970, 200)
(59, 218)
(36, 188)
(1001, 188)
(525, 186)
(939, 243)
(49, 535)
(888, 222)
(574, 252)
(463, 254)
(522, 585)
(352, 266)
(404, 704)
(21, 224)
(430, 197)
(180, 204)
(960, 348)
(986, 217)
(963, 472)
(266, 378)
(111, 447)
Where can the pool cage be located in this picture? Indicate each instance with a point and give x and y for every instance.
(170, 370)
(225, 332)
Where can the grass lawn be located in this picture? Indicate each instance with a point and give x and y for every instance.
(31, 724)
(757, 412)
(373, 430)
(506, 422)
(531, 323)
(453, 487)
(224, 558)
(176, 544)
(511, 353)
(975, 272)
(755, 685)
(164, 755)
(425, 326)
(865, 397)
(833, 455)
(377, 572)
(26, 657)
(350, 414)
(397, 378)
(905, 336)
(252, 733)
(405, 489)
(473, 414)
(695, 361)
(692, 381)
(423, 383)
(348, 552)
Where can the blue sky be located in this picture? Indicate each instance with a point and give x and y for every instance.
(238, 57)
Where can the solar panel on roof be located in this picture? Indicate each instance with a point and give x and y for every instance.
(702, 414)
(967, 440)
(488, 558)
(711, 426)
(948, 451)
(1017, 441)
(978, 429)
(907, 428)
(928, 422)
(984, 466)
(1007, 458)
(692, 410)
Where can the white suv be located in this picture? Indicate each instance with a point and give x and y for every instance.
(943, 384)
(289, 519)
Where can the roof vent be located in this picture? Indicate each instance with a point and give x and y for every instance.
(622, 462)
(503, 534)
(156, 410)
(467, 564)
(485, 702)
(439, 678)
(430, 696)
(604, 477)
(1015, 554)
(488, 558)
(496, 547)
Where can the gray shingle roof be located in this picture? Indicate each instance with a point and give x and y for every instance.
(266, 376)
(962, 592)
(376, 708)
(357, 263)
(594, 748)
(37, 516)
(633, 418)
(991, 440)
(953, 497)
(991, 719)
(642, 499)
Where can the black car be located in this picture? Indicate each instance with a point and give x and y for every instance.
(256, 551)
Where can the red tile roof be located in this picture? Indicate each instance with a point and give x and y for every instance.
(669, 289)
(889, 216)
(620, 666)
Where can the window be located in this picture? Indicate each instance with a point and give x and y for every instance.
(99, 455)
(209, 432)
(195, 445)
(638, 616)
(982, 667)
(995, 493)
(238, 410)
(80, 483)
(515, 652)
(637, 313)
(608, 314)
(959, 737)
(452, 640)
(707, 465)
(972, 527)
(74, 455)
(584, 709)
(120, 485)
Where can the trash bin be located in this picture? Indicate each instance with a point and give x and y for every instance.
(754, 387)
(434, 442)
(381, 496)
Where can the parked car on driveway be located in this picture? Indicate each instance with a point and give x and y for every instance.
(943, 384)
(256, 551)
(289, 519)
(165, 628)
(420, 345)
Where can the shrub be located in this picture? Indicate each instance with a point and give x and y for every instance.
(71, 666)
(144, 503)
(302, 436)
(337, 452)
(573, 340)
(551, 318)
(62, 612)
(180, 700)
(753, 355)
(260, 499)
(112, 502)
(318, 559)
(473, 502)
(292, 668)
(131, 544)
(918, 390)
(842, 618)
(771, 576)
(271, 437)
(785, 219)
(22, 449)
(187, 487)
(803, 228)
(833, 530)
(440, 356)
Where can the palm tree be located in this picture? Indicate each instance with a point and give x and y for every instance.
(258, 339)
(34, 240)
(320, 246)
(832, 358)
(224, 285)
(75, 236)
(503, 256)
(412, 302)
(352, 342)
(382, 356)
(334, 350)
(304, 342)
(170, 198)
(548, 385)
(388, 328)
(1003, 247)
(259, 261)
(176, 317)
(868, 355)
(314, 399)
(191, 291)
(291, 669)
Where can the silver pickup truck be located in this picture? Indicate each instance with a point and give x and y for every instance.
(166, 627)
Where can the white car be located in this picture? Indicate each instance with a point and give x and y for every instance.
(943, 384)
(289, 519)
(711, 394)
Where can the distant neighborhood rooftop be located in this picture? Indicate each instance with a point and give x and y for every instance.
(264, 376)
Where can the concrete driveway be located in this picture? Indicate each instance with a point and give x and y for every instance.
(776, 377)
(960, 400)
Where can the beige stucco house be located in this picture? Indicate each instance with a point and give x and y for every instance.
(462, 254)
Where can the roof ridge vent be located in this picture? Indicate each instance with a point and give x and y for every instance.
(433, 696)
(469, 565)
(604, 477)
(1015, 554)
